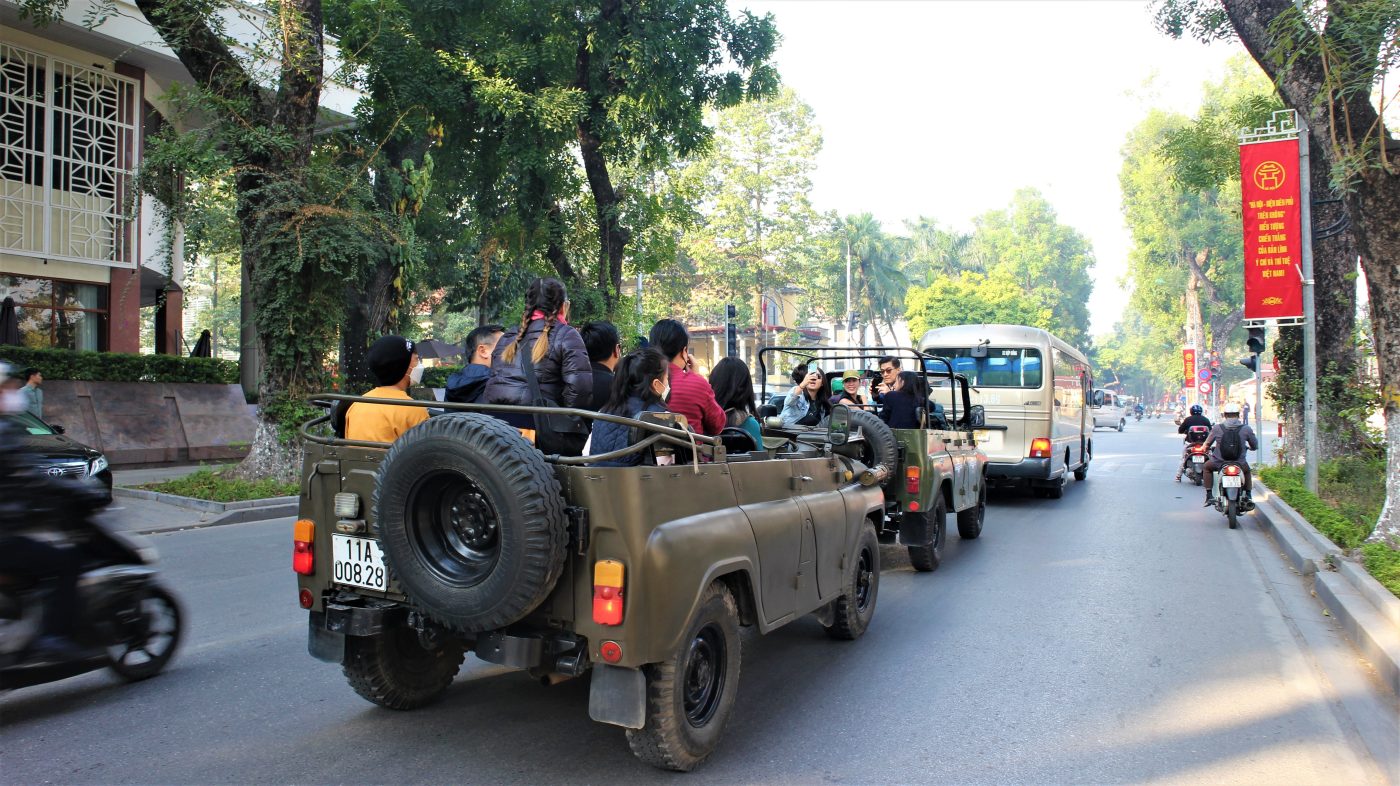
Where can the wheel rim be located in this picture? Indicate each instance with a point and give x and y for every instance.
(454, 529)
(706, 667)
(865, 573)
(149, 631)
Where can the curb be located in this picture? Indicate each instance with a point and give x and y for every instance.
(204, 505)
(241, 516)
(1367, 611)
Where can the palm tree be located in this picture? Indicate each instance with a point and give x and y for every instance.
(882, 281)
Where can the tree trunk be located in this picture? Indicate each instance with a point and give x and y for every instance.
(1334, 272)
(1377, 197)
(612, 236)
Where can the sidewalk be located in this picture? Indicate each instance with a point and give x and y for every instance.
(138, 477)
(135, 514)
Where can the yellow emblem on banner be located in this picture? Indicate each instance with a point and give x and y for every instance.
(1269, 175)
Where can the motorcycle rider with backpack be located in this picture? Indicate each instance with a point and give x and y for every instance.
(1197, 418)
(1229, 441)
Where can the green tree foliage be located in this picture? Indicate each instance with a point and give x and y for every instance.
(973, 298)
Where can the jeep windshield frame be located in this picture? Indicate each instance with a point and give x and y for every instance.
(867, 355)
(659, 433)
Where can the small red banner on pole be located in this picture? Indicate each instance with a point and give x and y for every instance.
(1273, 230)
(1188, 362)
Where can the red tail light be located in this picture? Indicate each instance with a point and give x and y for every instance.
(1231, 469)
(1198, 448)
(611, 651)
(1040, 448)
(607, 592)
(306, 599)
(303, 541)
(911, 480)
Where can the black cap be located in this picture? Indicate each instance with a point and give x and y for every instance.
(389, 358)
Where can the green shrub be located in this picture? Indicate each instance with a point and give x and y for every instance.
(1288, 484)
(1383, 562)
(119, 367)
(210, 485)
(436, 377)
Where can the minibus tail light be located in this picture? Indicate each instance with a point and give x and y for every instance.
(607, 592)
(1040, 448)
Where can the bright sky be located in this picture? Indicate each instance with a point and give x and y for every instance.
(944, 109)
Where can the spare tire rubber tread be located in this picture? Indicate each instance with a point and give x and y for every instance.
(878, 435)
(529, 482)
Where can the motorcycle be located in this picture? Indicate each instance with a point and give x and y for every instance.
(1194, 462)
(1139, 416)
(1230, 497)
(128, 621)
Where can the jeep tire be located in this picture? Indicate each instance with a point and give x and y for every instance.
(880, 447)
(926, 557)
(852, 612)
(691, 694)
(471, 520)
(393, 669)
(970, 520)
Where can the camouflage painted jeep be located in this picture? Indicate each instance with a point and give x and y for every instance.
(935, 470)
(462, 537)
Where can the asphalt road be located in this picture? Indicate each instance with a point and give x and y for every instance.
(1119, 635)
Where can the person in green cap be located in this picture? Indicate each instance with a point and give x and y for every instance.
(846, 390)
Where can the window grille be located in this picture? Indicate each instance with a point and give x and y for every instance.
(67, 157)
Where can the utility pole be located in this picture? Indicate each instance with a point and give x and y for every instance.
(848, 293)
(1310, 457)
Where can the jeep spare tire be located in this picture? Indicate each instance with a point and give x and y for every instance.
(471, 521)
(880, 447)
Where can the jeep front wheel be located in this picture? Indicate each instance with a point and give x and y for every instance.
(393, 669)
(691, 694)
(853, 611)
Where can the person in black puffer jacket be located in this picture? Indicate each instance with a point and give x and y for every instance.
(640, 384)
(560, 361)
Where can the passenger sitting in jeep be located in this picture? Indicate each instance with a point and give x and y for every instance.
(639, 385)
(902, 402)
(805, 405)
(395, 366)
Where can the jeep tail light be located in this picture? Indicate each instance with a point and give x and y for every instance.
(1040, 447)
(911, 480)
(305, 598)
(611, 651)
(1231, 469)
(303, 538)
(607, 592)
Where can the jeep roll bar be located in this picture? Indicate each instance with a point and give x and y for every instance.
(865, 354)
(660, 433)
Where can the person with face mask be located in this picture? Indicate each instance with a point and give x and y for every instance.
(395, 366)
(640, 384)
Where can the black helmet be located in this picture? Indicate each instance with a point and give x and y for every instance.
(1196, 409)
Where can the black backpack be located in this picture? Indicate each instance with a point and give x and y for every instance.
(1231, 445)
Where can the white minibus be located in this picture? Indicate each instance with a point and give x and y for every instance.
(1034, 389)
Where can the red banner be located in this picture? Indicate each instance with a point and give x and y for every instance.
(1188, 363)
(1273, 236)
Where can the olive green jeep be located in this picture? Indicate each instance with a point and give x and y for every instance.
(934, 470)
(462, 537)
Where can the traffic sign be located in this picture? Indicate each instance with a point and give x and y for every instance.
(1204, 387)
(1204, 374)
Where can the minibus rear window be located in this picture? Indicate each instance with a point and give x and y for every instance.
(1003, 367)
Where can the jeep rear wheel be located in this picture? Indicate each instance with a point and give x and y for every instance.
(471, 520)
(691, 694)
(926, 557)
(853, 611)
(393, 669)
(970, 520)
(880, 447)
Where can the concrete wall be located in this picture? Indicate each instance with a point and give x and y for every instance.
(147, 422)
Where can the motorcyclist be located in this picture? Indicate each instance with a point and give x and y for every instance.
(27, 497)
(1196, 418)
(1230, 419)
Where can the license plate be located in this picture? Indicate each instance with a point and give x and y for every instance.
(1231, 481)
(357, 562)
(1198, 459)
(989, 440)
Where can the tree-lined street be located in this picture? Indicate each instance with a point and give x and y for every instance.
(1121, 634)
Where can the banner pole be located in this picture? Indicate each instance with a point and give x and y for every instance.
(1309, 313)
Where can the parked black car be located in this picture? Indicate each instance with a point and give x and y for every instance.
(59, 455)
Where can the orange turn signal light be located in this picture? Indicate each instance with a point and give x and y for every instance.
(607, 592)
(911, 480)
(303, 542)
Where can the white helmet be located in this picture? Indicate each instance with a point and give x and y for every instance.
(1230, 408)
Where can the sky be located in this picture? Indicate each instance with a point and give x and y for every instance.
(945, 109)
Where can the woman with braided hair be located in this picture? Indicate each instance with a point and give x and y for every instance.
(545, 342)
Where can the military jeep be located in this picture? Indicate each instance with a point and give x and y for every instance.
(462, 537)
(935, 470)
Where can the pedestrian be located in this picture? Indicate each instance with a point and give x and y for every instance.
(691, 394)
(468, 385)
(395, 366)
(604, 351)
(33, 396)
(1244, 409)
(543, 361)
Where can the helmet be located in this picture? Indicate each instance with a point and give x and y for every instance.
(1230, 408)
(1196, 409)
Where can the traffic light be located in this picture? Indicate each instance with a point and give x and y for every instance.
(1251, 363)
(1256, 340)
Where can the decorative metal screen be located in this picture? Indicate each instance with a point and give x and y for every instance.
(67, 153)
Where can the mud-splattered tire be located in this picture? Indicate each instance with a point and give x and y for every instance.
(927, 557)
(393, 669)
(970, 520)
(471, 520)
(691, 694)
(880, 447)
(855, 608)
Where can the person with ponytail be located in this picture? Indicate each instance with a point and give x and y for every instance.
(640, 384)
(553, 348)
